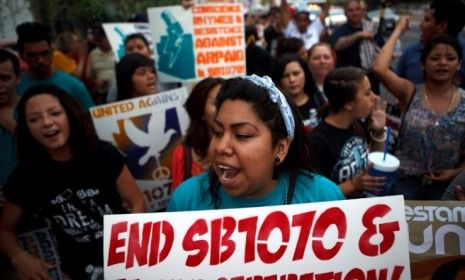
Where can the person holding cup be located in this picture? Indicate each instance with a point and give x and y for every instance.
(431, 142)
(342, 141)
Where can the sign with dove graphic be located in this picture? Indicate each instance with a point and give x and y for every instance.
(146, 130)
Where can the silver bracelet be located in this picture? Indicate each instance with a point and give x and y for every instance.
(379, 139)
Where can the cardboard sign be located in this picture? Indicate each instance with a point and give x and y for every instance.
(352, 239)
(117, 33)
(203, 41)
(41, 243)
(146, 130)
(437, 234)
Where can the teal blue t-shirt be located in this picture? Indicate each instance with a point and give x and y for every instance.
(66, 82)
(193, 194)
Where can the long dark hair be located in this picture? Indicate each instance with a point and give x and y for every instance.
(298, 156)
(124, 71)
(198, 135)
(310, 87)
(82, 138)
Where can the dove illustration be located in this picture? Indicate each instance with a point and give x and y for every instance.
(155, 139)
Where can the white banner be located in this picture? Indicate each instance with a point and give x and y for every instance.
(117, 33)
(203, 41)
(146, 129)
(352, 239)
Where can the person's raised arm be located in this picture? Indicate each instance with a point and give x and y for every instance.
(324, 12)
(286, 16)
(27, 265)
(401, 88)
(130, 192)
(346, 41)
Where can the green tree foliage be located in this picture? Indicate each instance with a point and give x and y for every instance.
(81, 14)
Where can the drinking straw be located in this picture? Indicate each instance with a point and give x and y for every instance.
(386, 143)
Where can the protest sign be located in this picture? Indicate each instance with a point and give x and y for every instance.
(146, 129)
(203, 41)
(41, 242)
(437, 234)
(117, 33)
(352, 239)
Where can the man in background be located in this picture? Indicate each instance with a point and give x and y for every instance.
(35, 49)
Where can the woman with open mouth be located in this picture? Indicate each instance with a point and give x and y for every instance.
(67, 176)
(431, 145)
(259, 154)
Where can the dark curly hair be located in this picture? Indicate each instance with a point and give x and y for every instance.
(82, 138)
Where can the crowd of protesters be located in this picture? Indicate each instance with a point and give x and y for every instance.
(297, 128)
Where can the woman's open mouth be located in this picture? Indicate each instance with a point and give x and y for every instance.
(51, 133)
(226, 172)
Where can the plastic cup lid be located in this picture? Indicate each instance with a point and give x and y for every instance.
(390, 164)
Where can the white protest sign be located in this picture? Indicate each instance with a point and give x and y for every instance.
(352, 239)
(117, 33)
(146, 129)
(203, 41)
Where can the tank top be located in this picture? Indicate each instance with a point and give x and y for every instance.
(430, 141)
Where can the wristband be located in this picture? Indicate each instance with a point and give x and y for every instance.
(380, 138)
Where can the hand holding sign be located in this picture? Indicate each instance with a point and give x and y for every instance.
(31, 267)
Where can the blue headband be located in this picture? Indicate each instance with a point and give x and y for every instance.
(278, 98)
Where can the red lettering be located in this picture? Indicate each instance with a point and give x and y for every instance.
(387, 230)
(138, 245)
(306, 276)
(331, 216)
(115, 243)
(228, 224)
(249, 226)
(136, 249)
(329, 276)
(371, 274)
(274, 220)
(189, 244)
(397, 272)
(160, 229)
(355, 274)
(305, 222)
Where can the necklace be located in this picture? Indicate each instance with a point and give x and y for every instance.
(449, 107)
(286, 193)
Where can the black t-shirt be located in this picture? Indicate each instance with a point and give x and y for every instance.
(350, 56)
(271, 37)
(339, 154)
(73, 196)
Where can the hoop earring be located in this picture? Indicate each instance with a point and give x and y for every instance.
(275, 175)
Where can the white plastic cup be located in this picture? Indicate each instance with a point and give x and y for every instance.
(383, 168)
